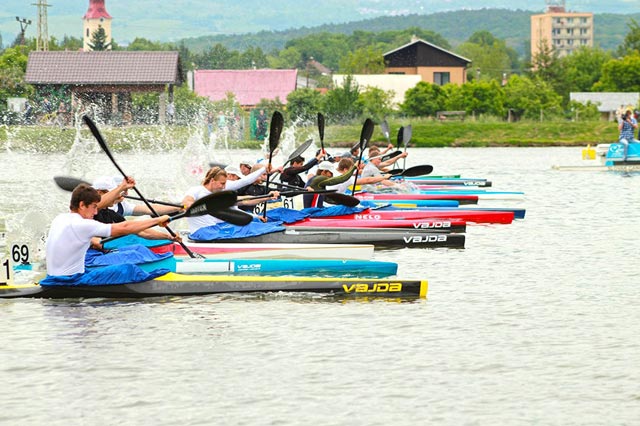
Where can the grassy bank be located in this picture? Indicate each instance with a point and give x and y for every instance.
(426, 133)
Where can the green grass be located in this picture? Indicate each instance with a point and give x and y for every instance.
(425, 133)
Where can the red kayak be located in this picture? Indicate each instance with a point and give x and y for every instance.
(476, 216)
(460, 198)
(340, 222)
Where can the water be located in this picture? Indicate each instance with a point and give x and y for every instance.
(533, 323)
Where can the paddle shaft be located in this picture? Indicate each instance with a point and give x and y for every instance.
(105, 148)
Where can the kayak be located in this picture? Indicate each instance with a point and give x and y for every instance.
(349, 224)
(441, 218)
(480, 193)
(316, 267)
(173, 284)
(241, 250)
(426, 180)
(460, 198)
(381, 239)
(518, 213)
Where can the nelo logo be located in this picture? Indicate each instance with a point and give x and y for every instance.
(367, 217)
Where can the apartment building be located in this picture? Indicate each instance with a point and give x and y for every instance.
(563, 31)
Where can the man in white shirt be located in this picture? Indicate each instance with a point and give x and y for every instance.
(71, 233)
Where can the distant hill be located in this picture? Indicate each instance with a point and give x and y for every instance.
(511, 25)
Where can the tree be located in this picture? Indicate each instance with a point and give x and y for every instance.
(483, 97)
(631, 40)
(365, 60)
(620, 75)
(304, 104)
(583, 68)
(376, 103)
(13, 65)
(423, 100)
(342, 102)
(490, 55)
(99, 40)
(529, 97)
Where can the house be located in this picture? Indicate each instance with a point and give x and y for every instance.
(396, 83)
(432, 63)
(609, 103)
(105, 79)
(248, 86)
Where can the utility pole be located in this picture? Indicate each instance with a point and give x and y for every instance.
(42, 42)
(23, 27)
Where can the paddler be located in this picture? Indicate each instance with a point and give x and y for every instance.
(215, 180)
(115, 208)
(324, 178)
(71, 233)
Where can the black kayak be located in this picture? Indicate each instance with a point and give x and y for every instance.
(380, 237)
(173, 284)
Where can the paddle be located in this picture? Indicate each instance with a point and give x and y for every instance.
(275, 129)
(385, 130)
(412, 171)
(234, 216)
(321, 130)
(69, 184)
(299, 150)
(342, 199)
(289, 193)
(365, 136)
(400, 136)
(105, 148)
(406, 137)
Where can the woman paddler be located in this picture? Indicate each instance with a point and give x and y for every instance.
(214, 181)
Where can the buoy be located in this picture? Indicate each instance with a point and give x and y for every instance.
(588, 153)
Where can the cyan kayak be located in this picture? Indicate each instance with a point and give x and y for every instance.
(296, 267)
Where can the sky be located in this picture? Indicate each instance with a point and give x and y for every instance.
(180, 19)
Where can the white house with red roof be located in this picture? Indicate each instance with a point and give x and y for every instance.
(248, 86)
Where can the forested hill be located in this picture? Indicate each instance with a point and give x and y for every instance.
(511, 25)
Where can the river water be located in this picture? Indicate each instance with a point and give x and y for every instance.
(533, 323)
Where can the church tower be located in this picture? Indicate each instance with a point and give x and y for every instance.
(95, 18)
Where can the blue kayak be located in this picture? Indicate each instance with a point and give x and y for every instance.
(320, 267)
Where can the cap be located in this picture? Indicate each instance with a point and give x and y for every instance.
(326, 165)
(247, 163)
(105, 183)
(233, 170)
(347, 155)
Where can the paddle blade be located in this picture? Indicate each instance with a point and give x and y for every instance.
(391, 155)
(342, 199)
(68, 183)
(212, 203)
(275, 130)
(400, 137)
(234, 216)
(406, 136)
(366, 133)
(321, 129)
(417, 170)
(299, 150)
(385, 130)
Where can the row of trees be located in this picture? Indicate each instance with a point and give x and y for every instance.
(542, 85)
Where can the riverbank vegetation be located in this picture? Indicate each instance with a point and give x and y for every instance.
(425, 133)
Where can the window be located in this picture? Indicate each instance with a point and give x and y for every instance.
(441, 78)
(87, 32)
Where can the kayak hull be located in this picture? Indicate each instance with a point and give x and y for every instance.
(460, 198)
(438, 218)
(315, 267)
(222, 250)
(349, 224)
(190, 285)
(389, 239)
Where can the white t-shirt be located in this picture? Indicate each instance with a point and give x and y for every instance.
(344, 186)
(370, 170)
(197, 222)
(68, 241)
(234, 185)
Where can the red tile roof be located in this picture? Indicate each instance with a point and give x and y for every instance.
(248, 86)
(106, 67)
